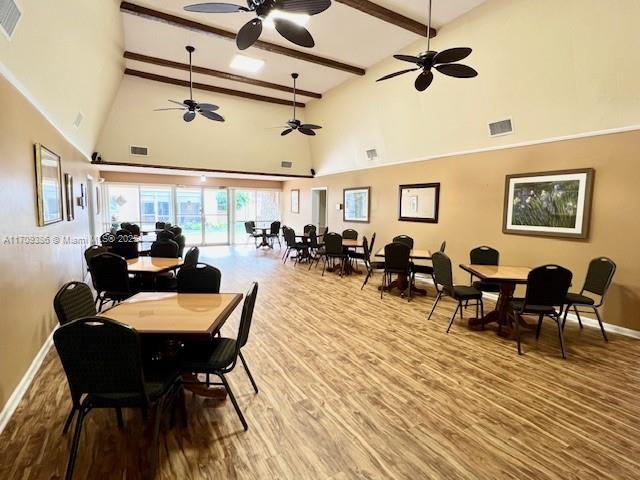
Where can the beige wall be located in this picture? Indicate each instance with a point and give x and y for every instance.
(66, 55)
(145, 178)
(245, 142)
(556, 67)
(31, 274)
(472, 196)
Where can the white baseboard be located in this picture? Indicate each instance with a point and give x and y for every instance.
(23, 386)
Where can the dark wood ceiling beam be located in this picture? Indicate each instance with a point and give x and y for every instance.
(174, 20)
(216, 73)
(209, 88)
(389, 16)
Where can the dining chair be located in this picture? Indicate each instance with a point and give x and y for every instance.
(349, 234)
(103, 364)
(597, 282)
(192, 257)
(443, 275)
(134, 229)
(426, 269)
(333, 250)
(199, 278)
(220, 355)
(164, 235)
(164, 249)
(292, 244)
(176, 230)
(484, 255)
(396, 261)
(181, 241)
(107, 239)
(274, 233)
(372, 265)
(406, 239)
(110, 276)
(160, 225)
(307, 228)
(317, 250)
(545, 296)
(94, 250)
(124, 245)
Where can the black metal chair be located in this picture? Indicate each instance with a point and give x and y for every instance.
(597, 282)
(396, 261)
(107, 239)
(160, 225)
(220, 356)
(315, 250)
(103, 364)
(250, 230)
(111, 278)
(292, 244)
(443, 275)
(484, 256)
(274, 233)
(333, 250)
(426, 269)
(199, 278)
(371, 264)
(165, 249)
(181, 241)
(91, 252)
(134, 229)
(307, 228)
(405, 239)
(349, 234)
(176, 230)
(546, 294)
(125, 245)
(192, 257)
(165, 235)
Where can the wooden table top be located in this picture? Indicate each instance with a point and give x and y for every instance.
(153, 264)
(416, 254)
(351, 243)
(499, 273)
(175, 313)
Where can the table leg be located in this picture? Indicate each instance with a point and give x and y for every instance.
(502, 314)
(194, 385)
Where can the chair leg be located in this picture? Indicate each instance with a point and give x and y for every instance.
(539, 328)
(604, 334)
(384, 284)
(233, 400)
(119, 418)
(453, 317)
(566, 312)
(434, 305)
(575, 309)
(75, 443)
(561, 336)
(324, 265)
(517, 324)
(155, 440)
(482, 311)
(246, 369)
(366, 279)
(67, 423)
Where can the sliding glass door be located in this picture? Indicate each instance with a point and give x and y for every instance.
(189, 214)
(216, 216)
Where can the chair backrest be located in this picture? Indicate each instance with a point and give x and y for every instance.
(484, 256)
(199, 278)
(325, 231)
(372, 245)
(275, 228)
(442, 270)
(313, 239)
(159, 225)
(599, 276)
(100, 356)
(181, 241)
(365, 249)
(94, 250)
(349, 234)
(165, 235)
(164, 248)
(333, 244)
(73, 301)
(192, 257)
(443, 245)
(247, 316)
(249, 227)
(396, 257)
(308, 228)
(125, 245)
(125, 226)
(548, 286)
(176, 230)
(107, 239)
(406, 239)
(134, 229)
(110, 273)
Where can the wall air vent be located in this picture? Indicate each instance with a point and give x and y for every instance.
(372, 154)
(288, 164)
(9, 16)
(138, 151)
(501, 127)
(78, 121)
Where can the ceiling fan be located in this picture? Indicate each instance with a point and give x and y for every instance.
(190, 106)
(294, 123)
(443, 61)
(251, 31)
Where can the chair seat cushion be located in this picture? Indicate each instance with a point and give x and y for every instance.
(377, 265)
(518, 305)
(486, 286)
(577, 299)
(426, 269)
(209, 357)
(464, 292)
(358, 255)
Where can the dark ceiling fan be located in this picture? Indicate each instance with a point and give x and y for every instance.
(191, 107)
(251, 30)
(441, 61)
(294, 123)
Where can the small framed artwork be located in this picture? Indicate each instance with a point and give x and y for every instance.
(553, 204)
(68, 190)
(82, 199)
(295, 201)
(48, 186)
(356, 205)
(419, 202)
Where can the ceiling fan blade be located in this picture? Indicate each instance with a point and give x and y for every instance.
(408, 58)
(311, 126)
(294, 33)
(249, 33)
(424, 80)
(457, 70)
(306, 131)
(212, 115)
(401, 72)
(179, 103)
(165, 109)
(215, 7)
(452, 55)
(208, 106)
(309, 7)
(189, 116)
(286, 132)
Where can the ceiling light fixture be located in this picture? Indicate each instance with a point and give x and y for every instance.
(246, 64)
(301, 19)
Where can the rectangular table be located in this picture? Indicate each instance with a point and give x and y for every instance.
(153, 264)
(415, 254)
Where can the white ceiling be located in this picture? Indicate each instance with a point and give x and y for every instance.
(341, 33)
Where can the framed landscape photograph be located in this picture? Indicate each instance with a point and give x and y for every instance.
(48, 186)
(68, 190)
(356, 205)
(554, 204)
(295, 201)
(419, 202)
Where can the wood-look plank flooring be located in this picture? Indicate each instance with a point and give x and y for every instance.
(354, 387)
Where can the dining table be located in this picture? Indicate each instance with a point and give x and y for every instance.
(507, 277)
(153, 265)
(263, 235)
(401, 281)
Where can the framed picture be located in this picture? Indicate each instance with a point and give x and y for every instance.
(48, 186)
(419, 202)
(68, 190)
(295, 201)
(356, 205)
(554, 204)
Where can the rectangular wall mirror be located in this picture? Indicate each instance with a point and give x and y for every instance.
(419, 202)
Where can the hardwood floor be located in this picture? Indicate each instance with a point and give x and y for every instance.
(354, 387)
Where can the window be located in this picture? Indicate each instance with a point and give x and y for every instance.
(260, 206)
(123, 204)
(156, 205)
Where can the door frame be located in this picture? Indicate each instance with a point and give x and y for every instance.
(326, 201)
